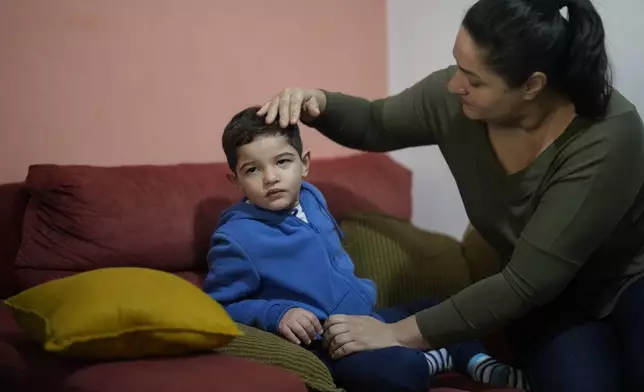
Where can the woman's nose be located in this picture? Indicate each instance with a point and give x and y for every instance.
(456, 85)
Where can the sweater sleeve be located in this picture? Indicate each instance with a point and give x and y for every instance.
(417, 116)
(587, 197)
(233, 281)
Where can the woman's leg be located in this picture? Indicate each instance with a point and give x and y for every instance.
(628, 321)
(584, 358)
(565, 352)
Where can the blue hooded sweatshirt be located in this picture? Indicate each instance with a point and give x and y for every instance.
(263, 263)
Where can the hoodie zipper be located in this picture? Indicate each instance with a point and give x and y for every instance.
(327, 247)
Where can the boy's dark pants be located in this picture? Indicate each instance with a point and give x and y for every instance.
(390, 369)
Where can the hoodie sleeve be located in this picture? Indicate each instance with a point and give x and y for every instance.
(233, 281)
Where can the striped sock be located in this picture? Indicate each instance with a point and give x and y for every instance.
(485, 369)
(439, 361)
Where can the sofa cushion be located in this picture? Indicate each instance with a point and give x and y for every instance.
(406, 262)
(25, 366)
(271, 349)
(482, 259)
(84, 217)
(115, 313)
(13, 201)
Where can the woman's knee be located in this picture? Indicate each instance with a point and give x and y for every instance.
(581, 358)
(391, 369)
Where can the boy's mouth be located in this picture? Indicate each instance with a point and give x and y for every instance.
(274, 192)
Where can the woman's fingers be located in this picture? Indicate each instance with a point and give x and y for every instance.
(297, 97)
(285, 107)
(264, 109)
(290, 105)
(311, 106)
(272, 111)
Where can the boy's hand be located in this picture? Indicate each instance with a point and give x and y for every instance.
(299, 325)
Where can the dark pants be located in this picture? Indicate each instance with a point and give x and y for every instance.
(564, 350)
(390, 369)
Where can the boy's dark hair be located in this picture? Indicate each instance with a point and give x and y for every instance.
(246, 127)
(520, 37)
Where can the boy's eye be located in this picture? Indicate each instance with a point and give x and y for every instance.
(283, 161)
(251, 170)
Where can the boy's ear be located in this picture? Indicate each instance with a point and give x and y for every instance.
(233, 179)
(306, 162)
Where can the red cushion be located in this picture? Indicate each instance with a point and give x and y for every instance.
(82, 217)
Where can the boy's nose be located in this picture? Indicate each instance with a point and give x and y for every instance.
(270, 177)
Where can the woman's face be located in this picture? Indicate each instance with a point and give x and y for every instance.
(484, 94)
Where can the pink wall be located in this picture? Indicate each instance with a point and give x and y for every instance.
(111, 82)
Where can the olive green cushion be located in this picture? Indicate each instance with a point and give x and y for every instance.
(268, 348)
(482, 259)
(406, 262)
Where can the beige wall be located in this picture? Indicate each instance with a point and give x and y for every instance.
(113, 82)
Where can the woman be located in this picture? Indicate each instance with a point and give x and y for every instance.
(549, 160)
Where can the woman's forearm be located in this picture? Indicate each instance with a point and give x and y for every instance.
(408, 334)
(417, 116)
(353, 122)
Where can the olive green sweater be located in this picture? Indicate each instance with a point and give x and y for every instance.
(570, 224)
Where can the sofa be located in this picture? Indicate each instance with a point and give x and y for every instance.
(66, 219)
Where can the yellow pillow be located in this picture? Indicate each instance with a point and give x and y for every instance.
(125, 312)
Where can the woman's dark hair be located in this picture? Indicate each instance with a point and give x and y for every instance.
(520, 37)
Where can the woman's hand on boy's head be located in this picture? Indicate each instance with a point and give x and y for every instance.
(299, 325)
(293, 104)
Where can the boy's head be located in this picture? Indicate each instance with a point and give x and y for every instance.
(267, 161)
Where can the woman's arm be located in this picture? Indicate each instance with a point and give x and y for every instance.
(417, 116)
(596, 184)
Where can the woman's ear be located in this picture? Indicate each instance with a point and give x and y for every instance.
(306, 161)
(534, 85)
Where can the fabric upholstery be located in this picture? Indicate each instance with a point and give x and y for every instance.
(13, 201)
(482, 259)
(85, 217)
(406, 262)
(25, 366)
(268, 348)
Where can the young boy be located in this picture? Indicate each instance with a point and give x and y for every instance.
(277, 263)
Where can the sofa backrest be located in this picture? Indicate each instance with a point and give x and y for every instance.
(79, 218)
(13, 202)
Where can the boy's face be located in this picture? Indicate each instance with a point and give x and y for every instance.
(269, 171)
